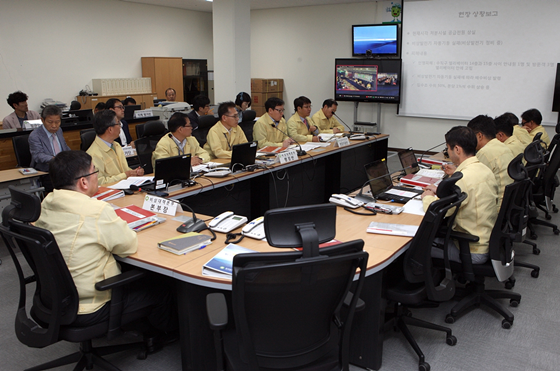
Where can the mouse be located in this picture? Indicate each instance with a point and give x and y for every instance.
(193, 225)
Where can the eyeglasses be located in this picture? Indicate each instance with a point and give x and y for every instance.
(121, 107)
(236, 116)
(187, 126)
(445, 153)
(280, 110)
(307, 107)
(85, 176)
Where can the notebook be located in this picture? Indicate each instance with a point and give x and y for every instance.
(381, 184)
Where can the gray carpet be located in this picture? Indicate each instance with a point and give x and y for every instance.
(531, 344)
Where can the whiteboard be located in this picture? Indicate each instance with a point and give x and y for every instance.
(465, 58)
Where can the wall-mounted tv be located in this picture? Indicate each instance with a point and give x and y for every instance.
(381, 39)
(368, 80)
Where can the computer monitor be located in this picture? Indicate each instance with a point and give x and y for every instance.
(408, 161)
(129, 111)
(375, 39)
(378, 174)
(82, 115)
(173, 170)
(243, 155)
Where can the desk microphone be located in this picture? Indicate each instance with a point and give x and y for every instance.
(300, 152)
(345, 124)
(193, 225)
(428, 150)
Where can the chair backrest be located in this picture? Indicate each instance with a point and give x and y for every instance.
(144, 148)
(21, 149)
(204, 124)
(87, 137)
(287, 308)
(249, 116)
(55, 302)
(418, 266)
(152, 129)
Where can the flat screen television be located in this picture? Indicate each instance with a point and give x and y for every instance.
(368, 80)
(381, 39)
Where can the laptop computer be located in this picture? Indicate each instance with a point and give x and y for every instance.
(242, 155)
(381, 184)
(408, 161)
(129, 111)
(172, 170)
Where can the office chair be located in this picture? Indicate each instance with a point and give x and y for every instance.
(204, 124)
(287, 306)
(248, 123)
(420, 281)
(21, 149)
(55, 303)
(150, 128)
(87, 136)
(499, 264)
(144, 149)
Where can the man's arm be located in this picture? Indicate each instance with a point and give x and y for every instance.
(115, 235)
(198, 150)
(216, 144)
(260, 134)
(337, 125)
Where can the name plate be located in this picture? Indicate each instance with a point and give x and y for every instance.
(138, 114)
(287, 156)
(342, 142)
(160, 205)
(129, 151)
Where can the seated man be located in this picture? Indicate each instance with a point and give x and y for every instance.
(129, 101)
(47, 141)
(179, 142)
(271, 128)
(124, 138)
(18, 102)
(491, 152)
(170, 94)
(325, 120)
(531, 121)
(225, 133)
(99, 107)
(88, 233)
(201, 107)
(108, 155)
(300, 125)
(504, 133)
(478, 213)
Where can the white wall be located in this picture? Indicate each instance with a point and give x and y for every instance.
(300, 46)
(52, 49)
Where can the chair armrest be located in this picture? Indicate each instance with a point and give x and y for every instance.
(216, 309)
(360, 304)
(464, 236)
(119, 280)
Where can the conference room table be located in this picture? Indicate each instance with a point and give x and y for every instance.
(197, 347)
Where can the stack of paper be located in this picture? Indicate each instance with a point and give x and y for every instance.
(221, 265)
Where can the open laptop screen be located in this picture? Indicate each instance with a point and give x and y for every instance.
(408, 161)
(378, 173)
(173, 170)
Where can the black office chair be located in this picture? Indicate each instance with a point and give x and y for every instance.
(144, 149)
(87, 136)
(55, 303)
(150, 128)
(248, 123)
(421, 281)
(499, 265)
(205, 123)
(287, 306)
(21, 149)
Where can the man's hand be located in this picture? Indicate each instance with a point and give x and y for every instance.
(316, 139)
(527, 128)
(196, 161)
(449, 169)
(312, 128)
(430, 190)
(132, 144)
(287, 142)
(336, 130)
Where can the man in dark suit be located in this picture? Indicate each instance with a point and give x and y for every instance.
(124, 138)
(201, 107)
(47, 141)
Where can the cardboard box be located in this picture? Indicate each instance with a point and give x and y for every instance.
(267, 85)
(258, 109)
(258, 99)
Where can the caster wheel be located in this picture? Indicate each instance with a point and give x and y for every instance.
(506, 324)
(533, 236)
(451, 340)
(513, 303)
(142, 355)
(555, 209)
(424, 366)
(556, 231)
(548, 217)
(509, 284)
(535, 273)
(536, 251)
(449, 319)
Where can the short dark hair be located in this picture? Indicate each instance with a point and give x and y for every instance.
(511, 118)
(111, 103)
(16, 98)
(100, 106)
(65, 167)
(174, 91)
(503, 124)
(223, 108)
(463, 137)
(103, 120)
(200, 101)
(532, 115)
(300, 101)
(129, 100)
(272, 103)
(51, 110)
(177, 120)
(483, 124)
(242, 97)
(329, 103)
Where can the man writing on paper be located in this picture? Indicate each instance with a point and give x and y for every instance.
(108, 155)
(225, 133)
(271, 128)
(179, 142)
(300, 125)
(325, 120)
(88, 233)
(477, 214)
